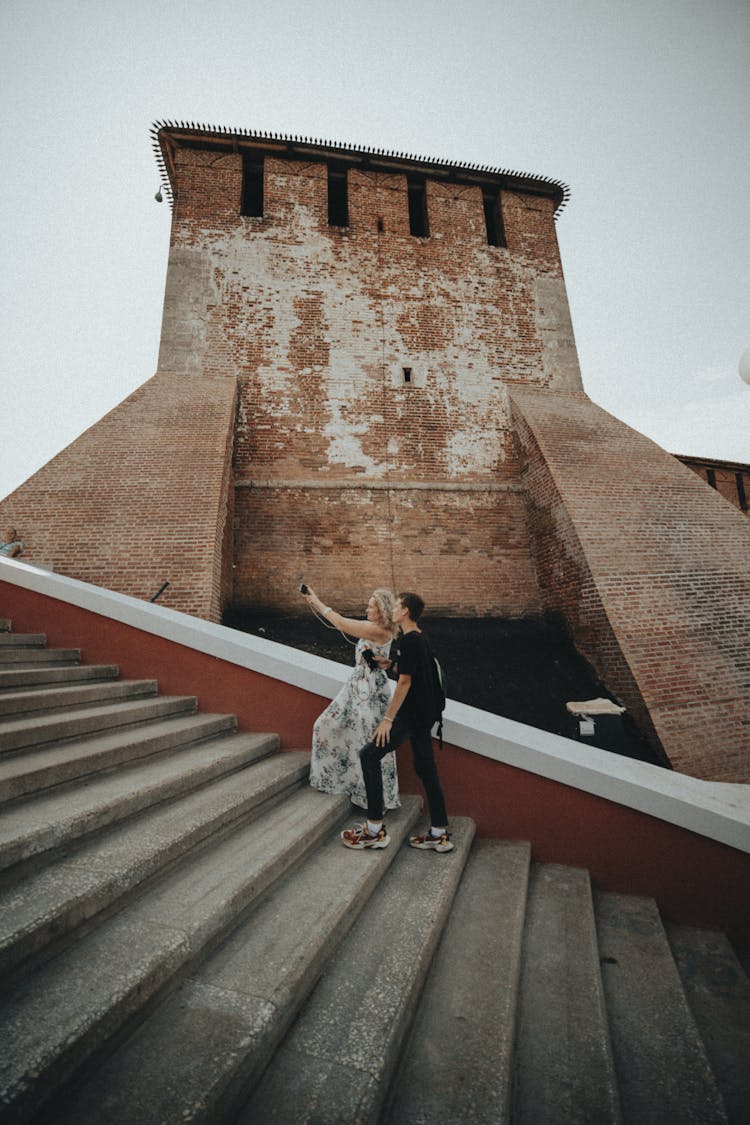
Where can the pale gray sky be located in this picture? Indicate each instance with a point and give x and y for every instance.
(641, 106)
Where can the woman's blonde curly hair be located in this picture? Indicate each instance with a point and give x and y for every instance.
(385, 600)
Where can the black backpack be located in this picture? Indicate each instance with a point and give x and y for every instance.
(439, 692)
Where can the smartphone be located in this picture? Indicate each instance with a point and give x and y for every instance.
(303, 588)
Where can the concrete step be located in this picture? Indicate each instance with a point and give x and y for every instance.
(100, 984)
(48, 822)
(457, 1066)
(22, 640)
(16, 734)
(13, 679)
(23, 657)
(197, 1054)
(31, 771)
(33, 701)
(49, 904)
(337, 1061)
(662, 1068)
(564, 1071)
(718, 993)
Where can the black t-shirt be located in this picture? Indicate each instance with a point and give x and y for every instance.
(414, 657)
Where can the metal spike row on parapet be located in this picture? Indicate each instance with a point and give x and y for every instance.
(370, 151)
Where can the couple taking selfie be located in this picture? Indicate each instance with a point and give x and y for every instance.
(355, 739)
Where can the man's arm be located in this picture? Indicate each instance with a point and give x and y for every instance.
(383, 731)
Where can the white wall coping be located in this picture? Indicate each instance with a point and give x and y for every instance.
(712, 809)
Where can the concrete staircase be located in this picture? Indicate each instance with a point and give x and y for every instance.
(183, 938)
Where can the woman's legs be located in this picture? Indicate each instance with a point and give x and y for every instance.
(370, 757)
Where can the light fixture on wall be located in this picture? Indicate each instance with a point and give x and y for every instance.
(159, 197)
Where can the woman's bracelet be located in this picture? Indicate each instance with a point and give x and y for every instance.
(387, 719)
(327, 610)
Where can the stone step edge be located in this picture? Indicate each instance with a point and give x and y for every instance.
(32, 657)
(57, 698)
(476, 969)
(22, 640)
(127, 961)
(13, 679)
(33, 771)
(88, 720)
(245, 1016)
(662, 1067)
(718, 994)
(562, 1012)
(89, 882)
(338, 1059)
(50, 836)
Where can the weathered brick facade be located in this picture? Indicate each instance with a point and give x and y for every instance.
(346, 472)
(367, 375)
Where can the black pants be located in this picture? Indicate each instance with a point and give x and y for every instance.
(424, 763)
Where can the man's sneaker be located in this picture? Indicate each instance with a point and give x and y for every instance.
(430, 843)
(358, 837)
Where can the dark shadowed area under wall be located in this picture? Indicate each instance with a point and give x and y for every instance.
(524, 669)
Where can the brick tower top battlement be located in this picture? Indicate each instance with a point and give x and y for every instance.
(167, 137)
(352, 291)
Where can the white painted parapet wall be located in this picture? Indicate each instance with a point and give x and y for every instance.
(717, 811)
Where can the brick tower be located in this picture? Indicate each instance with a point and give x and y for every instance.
(367, 375)
(375, 311)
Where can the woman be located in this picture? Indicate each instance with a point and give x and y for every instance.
(348, 723)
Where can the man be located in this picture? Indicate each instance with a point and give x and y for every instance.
(412, 713)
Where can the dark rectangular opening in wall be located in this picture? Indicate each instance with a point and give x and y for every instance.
(338, 198)
(418, 225)
(711, 477)
(252, 185)
(741, 494)
(493, 217)
(407, 374)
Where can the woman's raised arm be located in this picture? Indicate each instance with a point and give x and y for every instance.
(367, 630)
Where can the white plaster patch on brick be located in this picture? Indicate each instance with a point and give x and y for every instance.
(250, 270)
(469, 451)
(188, 293)
(555, 328)
(344, 447)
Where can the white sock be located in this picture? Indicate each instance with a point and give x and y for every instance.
(373, 827)
(436, 833)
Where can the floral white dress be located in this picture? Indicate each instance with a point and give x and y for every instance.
(347, 724)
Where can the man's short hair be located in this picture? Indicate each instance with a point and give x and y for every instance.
(413, 603)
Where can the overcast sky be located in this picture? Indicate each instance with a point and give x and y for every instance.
(640, 106)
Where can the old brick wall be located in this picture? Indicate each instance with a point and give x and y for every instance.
(651, 569)
(347, 473)
(730, 479)
(143, 496)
